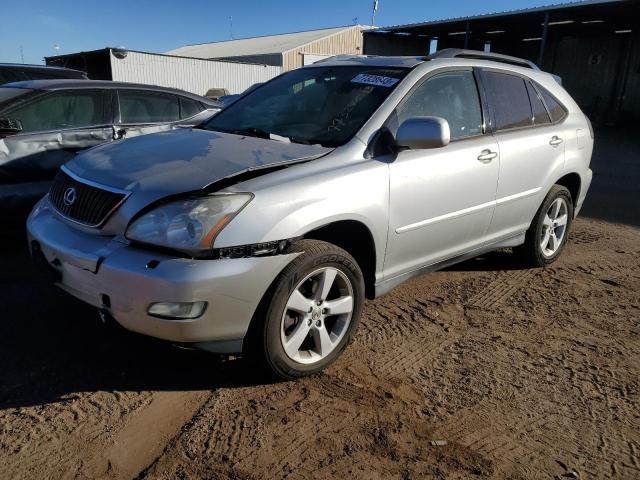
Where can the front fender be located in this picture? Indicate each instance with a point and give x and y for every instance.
(291, 207)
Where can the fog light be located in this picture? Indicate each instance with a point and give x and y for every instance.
(177, 310)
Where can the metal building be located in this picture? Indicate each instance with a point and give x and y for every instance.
(194, 75)
(594, 46)
(287, 50)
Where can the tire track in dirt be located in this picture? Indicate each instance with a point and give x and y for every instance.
(500, 289)
(145, 435)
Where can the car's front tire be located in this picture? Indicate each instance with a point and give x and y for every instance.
(548, 232)
(310, 313)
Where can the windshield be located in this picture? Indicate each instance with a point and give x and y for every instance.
(316, 105)
(7, 94)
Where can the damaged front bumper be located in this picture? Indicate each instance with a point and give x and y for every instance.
(124, 281)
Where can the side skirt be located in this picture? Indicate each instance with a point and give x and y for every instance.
(387, 285)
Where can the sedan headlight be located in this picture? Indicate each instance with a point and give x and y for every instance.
(190, 224)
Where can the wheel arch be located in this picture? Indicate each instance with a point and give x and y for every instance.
(573, 183)
(356, 238)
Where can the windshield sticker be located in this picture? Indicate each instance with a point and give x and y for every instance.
(377, 80)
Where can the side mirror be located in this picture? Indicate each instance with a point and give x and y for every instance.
(423, 132)
(10, 126)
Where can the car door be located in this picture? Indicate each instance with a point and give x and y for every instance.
(442, 199)
(148, 111)
(55, 126)
(531, 149)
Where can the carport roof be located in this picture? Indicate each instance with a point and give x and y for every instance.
(581, 15)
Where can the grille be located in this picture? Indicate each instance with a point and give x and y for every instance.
(88, 204)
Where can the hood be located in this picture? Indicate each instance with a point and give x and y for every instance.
(183, 160)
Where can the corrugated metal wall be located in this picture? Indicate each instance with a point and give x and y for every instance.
(346, 42)
(190, 74)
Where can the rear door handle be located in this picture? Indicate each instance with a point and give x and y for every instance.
(555, 141)
(487, 155)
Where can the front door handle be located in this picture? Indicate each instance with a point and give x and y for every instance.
(487, 155)
(555, 141)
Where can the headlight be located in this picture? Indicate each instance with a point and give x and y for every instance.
(190, 224)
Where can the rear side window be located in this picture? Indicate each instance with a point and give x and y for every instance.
(61, 110)
(452, 96)
(189, 108)
(509, 99)
(556, 110)
(540, 115)
(148, 107)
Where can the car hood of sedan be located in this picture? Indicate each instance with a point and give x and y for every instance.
(184, 160)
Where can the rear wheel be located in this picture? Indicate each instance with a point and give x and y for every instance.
(312, 313)
(549, 229)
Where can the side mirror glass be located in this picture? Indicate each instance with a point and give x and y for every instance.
(423, 132)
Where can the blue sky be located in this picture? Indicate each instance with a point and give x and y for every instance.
(160, 25)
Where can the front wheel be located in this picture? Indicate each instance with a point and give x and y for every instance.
(312, 313)
(549, 229)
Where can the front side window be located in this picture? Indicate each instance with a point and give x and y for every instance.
(61, 110)
(452, 96)
(318, 105)
(507, 95)
(137, 106)
(9, 96)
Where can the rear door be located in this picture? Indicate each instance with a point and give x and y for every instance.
(441, 199)
(531, 149)
(147, 111)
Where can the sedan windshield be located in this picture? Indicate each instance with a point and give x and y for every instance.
(318, 105)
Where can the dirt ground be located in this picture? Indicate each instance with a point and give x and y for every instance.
(485, 370)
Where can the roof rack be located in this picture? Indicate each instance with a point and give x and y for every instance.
(478, 55)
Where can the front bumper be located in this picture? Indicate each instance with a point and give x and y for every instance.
(108, 273)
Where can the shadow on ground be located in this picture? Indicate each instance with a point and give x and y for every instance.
(53, 345)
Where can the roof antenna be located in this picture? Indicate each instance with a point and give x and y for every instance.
(231, 27)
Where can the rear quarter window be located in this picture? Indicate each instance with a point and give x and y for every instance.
(556, 110)
(189, 108)
(540, 115)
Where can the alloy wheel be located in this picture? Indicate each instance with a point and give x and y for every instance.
(317, 315)
(554, 227)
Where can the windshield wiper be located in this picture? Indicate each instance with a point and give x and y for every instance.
(260, 133)
(254, 132)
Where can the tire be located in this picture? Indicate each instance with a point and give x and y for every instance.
(276, 324)
(532, 252)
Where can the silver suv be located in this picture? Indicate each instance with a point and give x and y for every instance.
(263, 230)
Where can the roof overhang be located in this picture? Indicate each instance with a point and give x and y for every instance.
(576, 19)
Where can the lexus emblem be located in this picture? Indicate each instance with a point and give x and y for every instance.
(69, 196)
